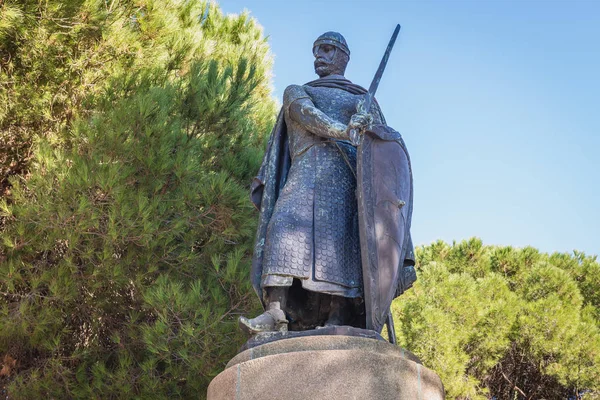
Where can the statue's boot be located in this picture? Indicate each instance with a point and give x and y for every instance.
(271, 320)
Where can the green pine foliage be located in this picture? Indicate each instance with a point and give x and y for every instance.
(505, 323)
(124, 254)
(129, 131)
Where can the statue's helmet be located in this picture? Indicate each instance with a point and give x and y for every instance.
(334, 39)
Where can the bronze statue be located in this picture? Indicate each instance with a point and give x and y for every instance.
(335, 197)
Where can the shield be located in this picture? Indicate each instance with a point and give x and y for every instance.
(384, 192)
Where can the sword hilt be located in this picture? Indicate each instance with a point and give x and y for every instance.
(361, 108)
(355, 136)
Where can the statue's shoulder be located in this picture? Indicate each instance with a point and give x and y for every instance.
(293, 93)
(294, 89)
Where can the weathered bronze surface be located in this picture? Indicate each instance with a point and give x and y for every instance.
(333, 245)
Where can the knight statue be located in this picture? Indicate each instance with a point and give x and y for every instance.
(333, 245)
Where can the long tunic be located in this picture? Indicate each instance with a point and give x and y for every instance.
(313, 232)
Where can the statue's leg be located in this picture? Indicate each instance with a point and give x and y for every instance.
(277, 297)
(273, 319)
(339, 312)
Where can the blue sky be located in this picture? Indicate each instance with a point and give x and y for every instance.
(498, 102)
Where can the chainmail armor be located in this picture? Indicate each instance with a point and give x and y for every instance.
(313, 232)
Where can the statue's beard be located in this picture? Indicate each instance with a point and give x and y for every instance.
(323, 67)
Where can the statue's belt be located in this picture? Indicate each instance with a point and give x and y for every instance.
(336, 143)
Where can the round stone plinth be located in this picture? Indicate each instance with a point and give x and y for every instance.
(326, 367)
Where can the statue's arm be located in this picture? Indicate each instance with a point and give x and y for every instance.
(299, 107)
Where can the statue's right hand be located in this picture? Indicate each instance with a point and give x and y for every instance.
(359, 122)
(354, 135)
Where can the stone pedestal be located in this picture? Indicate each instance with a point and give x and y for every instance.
(326, 367)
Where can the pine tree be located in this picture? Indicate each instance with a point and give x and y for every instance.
(125, 250)
(505, 323)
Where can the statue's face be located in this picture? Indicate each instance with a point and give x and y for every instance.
(329, 60)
